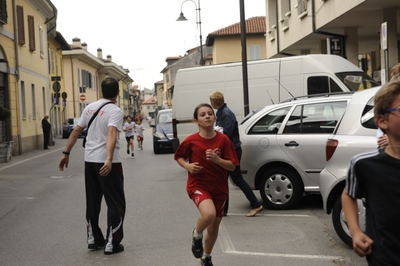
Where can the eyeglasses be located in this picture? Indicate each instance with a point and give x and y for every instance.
(393, 110)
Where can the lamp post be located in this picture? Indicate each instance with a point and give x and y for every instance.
(198, 23)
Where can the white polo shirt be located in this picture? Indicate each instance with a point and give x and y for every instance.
(109, 115)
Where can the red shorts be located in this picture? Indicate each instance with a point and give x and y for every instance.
(140, 138)
(199, 195)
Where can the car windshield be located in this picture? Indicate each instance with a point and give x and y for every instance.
(249, 115)
(357, 81)
(165, 118)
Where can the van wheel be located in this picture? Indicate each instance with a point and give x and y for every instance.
(340, 223)
(281, 188)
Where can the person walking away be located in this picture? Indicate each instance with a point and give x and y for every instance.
(103, 168)
(207, 156)
(226, 120)
(46, 126)
(149, 119)
(129, 128)
(139, 133)
(374, 175)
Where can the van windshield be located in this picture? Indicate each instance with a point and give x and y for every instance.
(357, 81)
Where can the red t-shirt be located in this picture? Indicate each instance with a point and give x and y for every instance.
(213, 178)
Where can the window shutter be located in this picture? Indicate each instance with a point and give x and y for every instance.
(21, 27)
(31, 27)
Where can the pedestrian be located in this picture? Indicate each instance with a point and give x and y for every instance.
(374, 175)
(46, 126)
(139, 134)
(129, 128)
(149, 119)
(103, 168)
(207, 156)
(226, 121)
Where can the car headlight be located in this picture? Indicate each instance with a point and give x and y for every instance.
(159, 135)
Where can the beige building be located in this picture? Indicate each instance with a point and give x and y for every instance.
(226, 42)
(84, 73)
(24, 77)
(351, 28)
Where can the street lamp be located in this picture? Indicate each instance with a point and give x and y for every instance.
(198, 23)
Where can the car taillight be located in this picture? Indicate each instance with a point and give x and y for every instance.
(330, 148)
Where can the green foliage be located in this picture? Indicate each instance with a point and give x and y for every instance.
(4, 113)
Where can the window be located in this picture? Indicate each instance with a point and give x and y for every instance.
(270, 123)
(3, 11)
(23, 100)
(52, 60)
(33, 101)
(318, 118)
(31, 27)
(41, 42)
(321, 84)
(255, 52)
(21, 25)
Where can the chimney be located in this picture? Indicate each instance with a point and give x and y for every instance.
(76, 42)
(99, 53)
(84, 46)
(109, 58)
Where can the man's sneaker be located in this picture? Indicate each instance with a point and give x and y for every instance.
(113, 250)
(94, 246)
(132, 154)
(206, 261)
(127, 151)
(197, 246)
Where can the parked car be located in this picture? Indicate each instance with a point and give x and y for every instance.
(354, 134)
(284, 146)
(162, 131)
(69, 125)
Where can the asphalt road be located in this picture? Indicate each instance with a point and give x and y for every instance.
(42, 218)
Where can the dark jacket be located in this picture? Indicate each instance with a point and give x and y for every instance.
(46, 125)
(227, 120)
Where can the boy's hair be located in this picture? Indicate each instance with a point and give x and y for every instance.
(109, 87)
(217, 98)
(384, 98)
(195, 114)
(395, 72)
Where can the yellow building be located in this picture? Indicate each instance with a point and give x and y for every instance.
(24, 77)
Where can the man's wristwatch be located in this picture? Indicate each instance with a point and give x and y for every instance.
(66, 153)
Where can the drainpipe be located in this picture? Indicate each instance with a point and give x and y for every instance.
(19, 118)
(73, 85)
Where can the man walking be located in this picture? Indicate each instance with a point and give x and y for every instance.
(226, 119)
(103, 168)
(46, 126)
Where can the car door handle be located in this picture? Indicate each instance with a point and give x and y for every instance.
(292, 144)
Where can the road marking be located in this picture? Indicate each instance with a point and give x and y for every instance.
(228, 248)
(31, 158)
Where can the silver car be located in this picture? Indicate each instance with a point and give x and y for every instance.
(284, 146)
(354, 134)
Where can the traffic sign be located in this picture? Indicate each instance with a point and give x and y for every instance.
(82, 97)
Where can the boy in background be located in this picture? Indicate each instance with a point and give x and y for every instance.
(139, 131)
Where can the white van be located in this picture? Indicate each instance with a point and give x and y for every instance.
(269, 81)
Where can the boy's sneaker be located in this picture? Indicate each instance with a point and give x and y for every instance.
(206, 261)
(132, 154)
(112, 250)
(127, 151)
(197, 246)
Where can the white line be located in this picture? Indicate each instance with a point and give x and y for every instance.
(228, 248)
(30, 158)
(271, 215)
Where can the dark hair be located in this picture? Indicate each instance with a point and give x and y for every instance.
(109, 87)
(195, 114)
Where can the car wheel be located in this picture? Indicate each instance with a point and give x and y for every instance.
(340, 223)
(281, 188)
(156, 149)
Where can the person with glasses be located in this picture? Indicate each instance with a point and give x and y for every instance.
(374, 175)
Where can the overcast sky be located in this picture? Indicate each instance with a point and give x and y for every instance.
(140, 35)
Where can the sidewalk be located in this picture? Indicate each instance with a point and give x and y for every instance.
(59, 145)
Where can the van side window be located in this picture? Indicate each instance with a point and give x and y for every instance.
(321, 84)
(269, 123)
(320, 118)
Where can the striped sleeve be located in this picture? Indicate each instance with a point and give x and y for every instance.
(353, 186)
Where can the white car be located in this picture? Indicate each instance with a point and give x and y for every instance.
(354, 134)
(284, 146)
